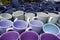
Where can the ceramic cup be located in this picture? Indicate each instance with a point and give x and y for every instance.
(4, 24)
(51, 28)
(47, 36)
(20, 25)
(19, 15)
(29, 35)
(53, 18)
(42, 17)
(29, 16)
(12, 35)
(36, 25)
(6, 16)
(59, 18)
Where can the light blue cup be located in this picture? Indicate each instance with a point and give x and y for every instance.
(51, 28)
(36, 25)
(4, 24)
(20, 25)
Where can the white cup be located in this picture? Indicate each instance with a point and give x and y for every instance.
(19, 15)
(59, 18)
(53, 18)
(42, 16)
(6, 16)
(29, 16)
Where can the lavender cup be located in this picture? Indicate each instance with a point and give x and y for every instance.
(58, 35)
(4, 24)
(20, 25)
(36, 25)
(29, 35)
(47, 36)
(12, 35)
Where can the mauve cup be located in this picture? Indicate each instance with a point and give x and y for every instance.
(47, 36)
(29, 35)
(12, 35)
(51, 28)
(4, 24)
(20, 25)
(58, 35)
(36, 25)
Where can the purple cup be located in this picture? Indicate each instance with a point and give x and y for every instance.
(47, 36)
(58, 35)
(20, 26)
(29, 35)
(12, 35)
(36, 25)
(4, 24)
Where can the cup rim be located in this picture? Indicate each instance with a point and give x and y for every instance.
(47, 33)
(7, 26)
(31, 32)
(41, 13)
(9, 32)
(21, 21)
(16, 13)
(51, 15)
(36, 20)
(50, 32)
(10, 16)
(30, 14)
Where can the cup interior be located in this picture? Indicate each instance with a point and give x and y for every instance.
(42, 14)
(29, 14)
(5, 23)
(17, 13)
(29, 35)
(51, 28)
(47, 36)
(20, 24)
(12, 35)
(6, 15)
(36, 23)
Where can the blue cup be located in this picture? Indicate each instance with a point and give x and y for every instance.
(20, 26)
(51, 28)
(4, 24)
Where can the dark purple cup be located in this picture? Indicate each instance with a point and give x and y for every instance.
(12, 35)
(47, 36)
(29, 35)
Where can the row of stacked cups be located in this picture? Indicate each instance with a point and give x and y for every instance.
(30, 7)
(30, 25)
